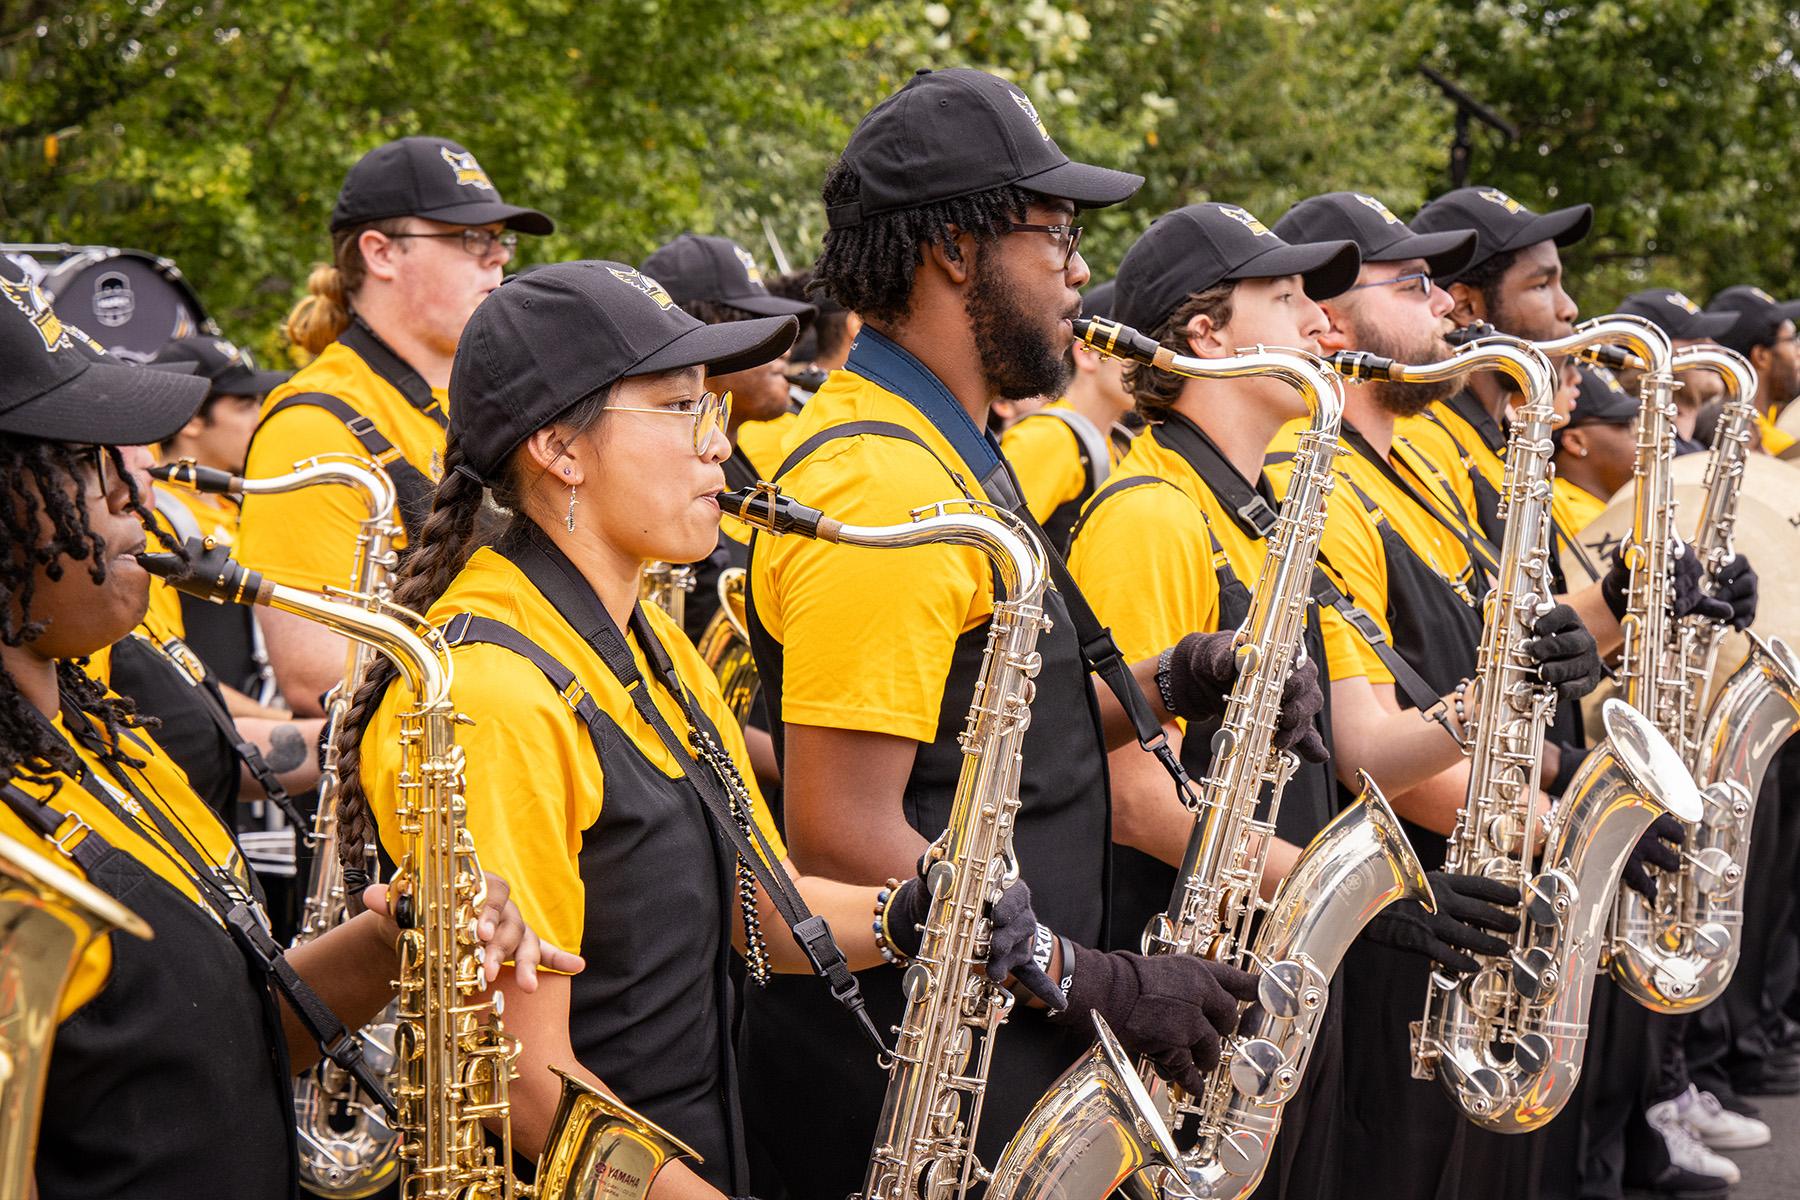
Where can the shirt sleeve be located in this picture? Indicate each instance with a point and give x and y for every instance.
(304, 538)
(1352, 555)
(1043, 455)
(868, 633)
(1144, 561)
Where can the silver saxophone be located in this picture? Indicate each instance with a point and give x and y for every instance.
(1106, 1124)
(347, 1146)
(1692, 935)
(1506, 1043)
(925, 1141)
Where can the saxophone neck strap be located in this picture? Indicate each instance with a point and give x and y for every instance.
(551, 572)
(1478, 557)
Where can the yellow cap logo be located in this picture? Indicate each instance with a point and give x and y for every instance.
(1245, 218)
(1496, 196)
(749, 265)
(1682, 302)
(1604, 375)
(232, 354)
(1762, 295)
(1031, 112)
(468, 171)
(644, 284)
(1380, 209)
(28, 299)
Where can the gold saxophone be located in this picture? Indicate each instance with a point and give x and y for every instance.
(1507, 1042)
(346, 1145)
(666, 585)
(1100, 1126)
(48, 918)
(725, 646)
(925, 1141)
(1679, 953)
(455, 1060)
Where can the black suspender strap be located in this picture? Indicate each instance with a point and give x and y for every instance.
(413, 489)
(79, 843)
(1462, 534)
(1113, 487)
(554, 576)
(393, 369)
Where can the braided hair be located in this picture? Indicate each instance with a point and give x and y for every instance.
(45, 485)
(868, 268)
(452, 533)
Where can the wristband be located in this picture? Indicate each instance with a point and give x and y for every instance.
(1043, 946)
(1164, 662)
(891, 952)
(1068, 964)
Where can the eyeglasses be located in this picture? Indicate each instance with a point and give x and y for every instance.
(711, 412)
(479, 242)
(1422, 278)
(101, 460)
(1067, 237)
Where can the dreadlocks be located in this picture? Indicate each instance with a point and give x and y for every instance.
(868, 268)
(45, 482)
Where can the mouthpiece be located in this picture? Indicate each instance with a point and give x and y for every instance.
(765, 507)
(209, 572)
(1122, 341)
(189, 474)
(1616, 358)
(1359, 365)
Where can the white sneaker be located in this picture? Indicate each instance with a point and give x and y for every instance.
(1717, 1126)
(1685, 1150)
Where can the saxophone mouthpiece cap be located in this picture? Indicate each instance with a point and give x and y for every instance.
(762, 505)
(189, 474)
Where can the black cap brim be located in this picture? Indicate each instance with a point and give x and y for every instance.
(722, 349)
(110, 404)
(1087, 185)
(1327, 268)
(249, 383)
(1444, 253)
(486, 212)
(1564, 226)
(1711, 325)
(763, 304)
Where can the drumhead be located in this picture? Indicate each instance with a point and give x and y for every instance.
(131, 302)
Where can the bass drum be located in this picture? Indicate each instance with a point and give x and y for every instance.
(1768, 532)
(130, 302)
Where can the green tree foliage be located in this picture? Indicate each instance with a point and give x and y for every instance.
(218, 132)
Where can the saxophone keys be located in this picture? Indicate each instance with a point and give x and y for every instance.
(1715, 872)
(1532, 1052)
(1534, 974)
(1712, 941)
(1548, 898)
(1260, 1071)
(1241, 1153)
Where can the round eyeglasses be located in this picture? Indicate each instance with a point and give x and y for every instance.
(710, 411)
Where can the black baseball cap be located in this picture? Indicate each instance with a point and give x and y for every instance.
(1676, 315)
(1377, 232)
(1500, 222)
(1602, 399)
(957, 132)
(549, 338)
(717, 269)
(57, 383)
(1193, 248)
(427, 177)
(230, 368)
(1759, 316)
(1097, 301)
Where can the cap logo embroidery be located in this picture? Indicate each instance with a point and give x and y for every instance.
(1380, 209)
(1245, 218)
(644, 284)
(26, 297)
(1031, 112)
(1496, 196)
(468, 171)
(1605, 375)
(1762, 295)
(232, 353)
(1682, 302)
(749, 265)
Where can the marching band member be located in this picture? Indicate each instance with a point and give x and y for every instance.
(1765, 334)
(1687, 325)
(162, 1045)
(1063, 452)
(822, 349)
(578, 403)
(952, 232)
(419, 235)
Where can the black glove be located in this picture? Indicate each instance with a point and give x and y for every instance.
(1015, 928)
(1172, 1008)
(1660, 847)
(1567, 657)
(1690, 598)
(1736, 585)
(1467, 905)
(1202, 668)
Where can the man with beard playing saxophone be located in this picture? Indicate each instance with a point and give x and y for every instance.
(1390, 546)
(1175, 542)
(952, 233)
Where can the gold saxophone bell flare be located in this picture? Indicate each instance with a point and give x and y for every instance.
(599, 1148)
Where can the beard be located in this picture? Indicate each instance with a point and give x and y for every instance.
(1407, 399)
(1018, 356)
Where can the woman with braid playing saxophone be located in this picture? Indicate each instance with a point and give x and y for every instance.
(603, 763)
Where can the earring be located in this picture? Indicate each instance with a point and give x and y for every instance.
(569, 520)
(1581, 452)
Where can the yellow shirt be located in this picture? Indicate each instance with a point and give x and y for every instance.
(307, 538)
(533, 783)
(1573, 508)
(766, 443)
(161, 781)
(1448, 451)
(1046, 457)
(1774, 441)
(1144, 559)
(868, 633)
